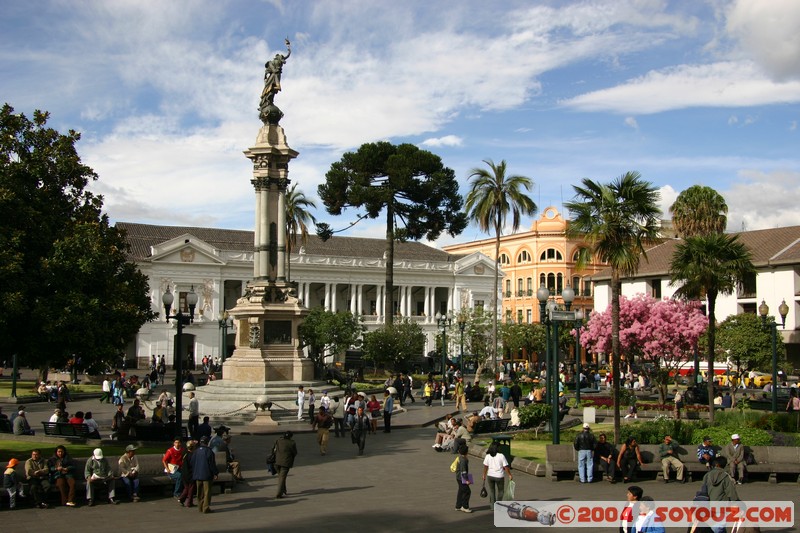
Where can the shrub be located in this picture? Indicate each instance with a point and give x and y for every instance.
(785, 422)
(722, 436)
(735, 419)
(653, 432)
(533, 414)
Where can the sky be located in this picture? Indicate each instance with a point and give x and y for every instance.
(165, 95)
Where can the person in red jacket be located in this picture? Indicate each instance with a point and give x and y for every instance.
(172, 461)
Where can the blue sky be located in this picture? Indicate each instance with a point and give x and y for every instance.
(165, 95)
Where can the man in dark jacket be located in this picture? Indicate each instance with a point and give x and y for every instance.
(204, 471)
(584, 445)
(719, 483)
(285, 452)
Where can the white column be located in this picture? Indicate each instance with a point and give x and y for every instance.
(334, 292)
(257, 239)
(327, 303)
(428, 304)
(265, 238)
(353, 297)
(282, 234)
(380, 306)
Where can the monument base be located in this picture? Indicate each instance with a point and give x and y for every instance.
(250, 365)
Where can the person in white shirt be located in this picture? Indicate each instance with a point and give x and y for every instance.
(495, 466)
(301, 400)
(325, 401)
(488, 411)
(91, 423)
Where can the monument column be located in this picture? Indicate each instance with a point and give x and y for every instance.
(268, 313)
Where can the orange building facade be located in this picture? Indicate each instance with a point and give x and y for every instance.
(528, 259)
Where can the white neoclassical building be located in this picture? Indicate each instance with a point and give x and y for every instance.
(344, 273)
(776, 256)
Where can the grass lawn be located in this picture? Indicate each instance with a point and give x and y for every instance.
(22, 450)
(25, 388)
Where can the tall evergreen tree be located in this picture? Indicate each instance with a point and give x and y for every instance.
(417, 194)
(493, 197)
(617, 220)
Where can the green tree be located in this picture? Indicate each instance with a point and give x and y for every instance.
(492, 198)
(328, 333)
(710, 265)
(744, 339)
(417, 193)
(517, 338)
(297, 219)
(699, 210)
(617, 221)
(395, 345)
(66, 287)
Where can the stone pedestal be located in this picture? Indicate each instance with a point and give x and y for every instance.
(267, 342)
(263, 419)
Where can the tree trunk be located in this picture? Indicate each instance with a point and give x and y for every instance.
(712, 334)
(388, 304)
(615, 351)
(494, 291)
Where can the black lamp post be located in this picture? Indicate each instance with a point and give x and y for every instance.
(578, 327)
(462, 324)
(444, 322)
(224, 324)
(783, 310)
(182, 320)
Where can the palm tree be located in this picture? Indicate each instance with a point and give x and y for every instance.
(710, 265)
(297, 219)
(493, 196)
(699, 210)
(617, 221)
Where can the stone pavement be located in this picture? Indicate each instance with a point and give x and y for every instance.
(401, 484)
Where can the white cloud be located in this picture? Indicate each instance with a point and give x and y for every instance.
(724, 84)
(769, 32)
(631, 123)
(733, 119)
(447, 140)
(793, 125)
(763, 200)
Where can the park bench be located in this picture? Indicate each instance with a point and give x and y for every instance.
(154, 433)
(151, 474)
(62, 429)
(770, 460)
(497, 425)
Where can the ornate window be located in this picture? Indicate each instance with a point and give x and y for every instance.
(524, 257)
(504, 259)
(551, 255)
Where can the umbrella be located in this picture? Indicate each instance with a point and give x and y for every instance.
(391, 390)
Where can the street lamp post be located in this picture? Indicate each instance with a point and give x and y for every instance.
(14, 371)
(578, 327)
(182, 320)
(783, 310)
(462, 324)
(224, 324)
(444, 321)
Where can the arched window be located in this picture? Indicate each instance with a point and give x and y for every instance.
(524, 257)
(559, 283)
(530, 286)
(576, 255)
(504, 259)
(551, 283)
(551, 254)
(542, 280)
(576, 285)
(508, 287)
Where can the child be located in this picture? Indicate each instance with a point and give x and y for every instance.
(11, 482)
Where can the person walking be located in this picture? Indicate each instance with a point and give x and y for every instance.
(300, 402)
(678, 399)
(312, 399)
(194, 416)
(359, 428)
(337, 412)
(584, 444)
(374, 410)
(495, 466)
(322, 423)
(285, 452)
(204, 472)
(464, 480)
(388, 408)
(458, 393)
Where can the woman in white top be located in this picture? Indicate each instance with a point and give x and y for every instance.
(494, 466)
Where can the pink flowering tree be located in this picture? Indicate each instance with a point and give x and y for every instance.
(658, 334)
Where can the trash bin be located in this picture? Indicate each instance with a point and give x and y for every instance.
(503, 445)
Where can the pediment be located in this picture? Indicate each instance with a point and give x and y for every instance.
(185, 249)
(475, 264)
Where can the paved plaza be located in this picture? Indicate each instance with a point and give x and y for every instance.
(401, 484)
